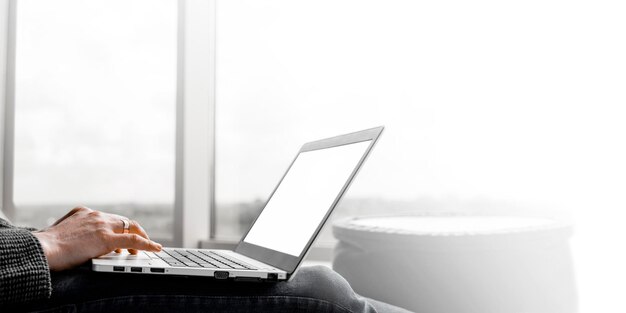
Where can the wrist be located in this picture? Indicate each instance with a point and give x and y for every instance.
(47, 242)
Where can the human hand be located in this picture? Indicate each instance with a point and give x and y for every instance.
(83, 234)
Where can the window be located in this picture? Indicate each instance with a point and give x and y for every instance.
(489, 106)
(289, 72)
(95, 110)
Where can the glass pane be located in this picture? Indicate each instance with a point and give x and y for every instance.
(467, 128)
(494, 107)
(95, 109)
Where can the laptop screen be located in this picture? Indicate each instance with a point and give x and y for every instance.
(304, 196)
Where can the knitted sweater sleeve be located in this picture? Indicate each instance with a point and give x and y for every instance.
(24, 272)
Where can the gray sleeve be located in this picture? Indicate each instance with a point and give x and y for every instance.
(24, 272)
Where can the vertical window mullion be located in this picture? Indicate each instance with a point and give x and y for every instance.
(9, 112)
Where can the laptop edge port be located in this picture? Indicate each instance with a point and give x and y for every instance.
(136, 269)
(118, 268)
(220, 275)
(272, 277)
(157, 270)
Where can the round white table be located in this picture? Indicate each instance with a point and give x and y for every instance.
(459, 264)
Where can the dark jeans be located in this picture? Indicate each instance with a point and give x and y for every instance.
(313, 289)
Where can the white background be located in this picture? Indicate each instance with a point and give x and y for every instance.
(485, 102)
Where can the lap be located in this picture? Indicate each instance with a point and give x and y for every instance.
(313, 289)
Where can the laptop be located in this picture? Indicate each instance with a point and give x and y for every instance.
(282, 234)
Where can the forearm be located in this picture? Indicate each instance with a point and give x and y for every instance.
(24, 272)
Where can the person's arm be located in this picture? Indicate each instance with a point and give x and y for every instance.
(24, 272)
(26, 257)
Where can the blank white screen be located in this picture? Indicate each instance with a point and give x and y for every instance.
(304, 196)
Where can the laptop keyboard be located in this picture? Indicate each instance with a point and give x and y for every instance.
(201, 258)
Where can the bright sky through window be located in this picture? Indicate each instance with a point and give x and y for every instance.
(95, 102)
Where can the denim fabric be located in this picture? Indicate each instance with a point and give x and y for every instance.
(313, 289)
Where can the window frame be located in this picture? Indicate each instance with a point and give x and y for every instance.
(4, 32)
(9, 111)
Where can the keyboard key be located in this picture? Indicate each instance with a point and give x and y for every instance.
(180, 264)
(200, 258)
